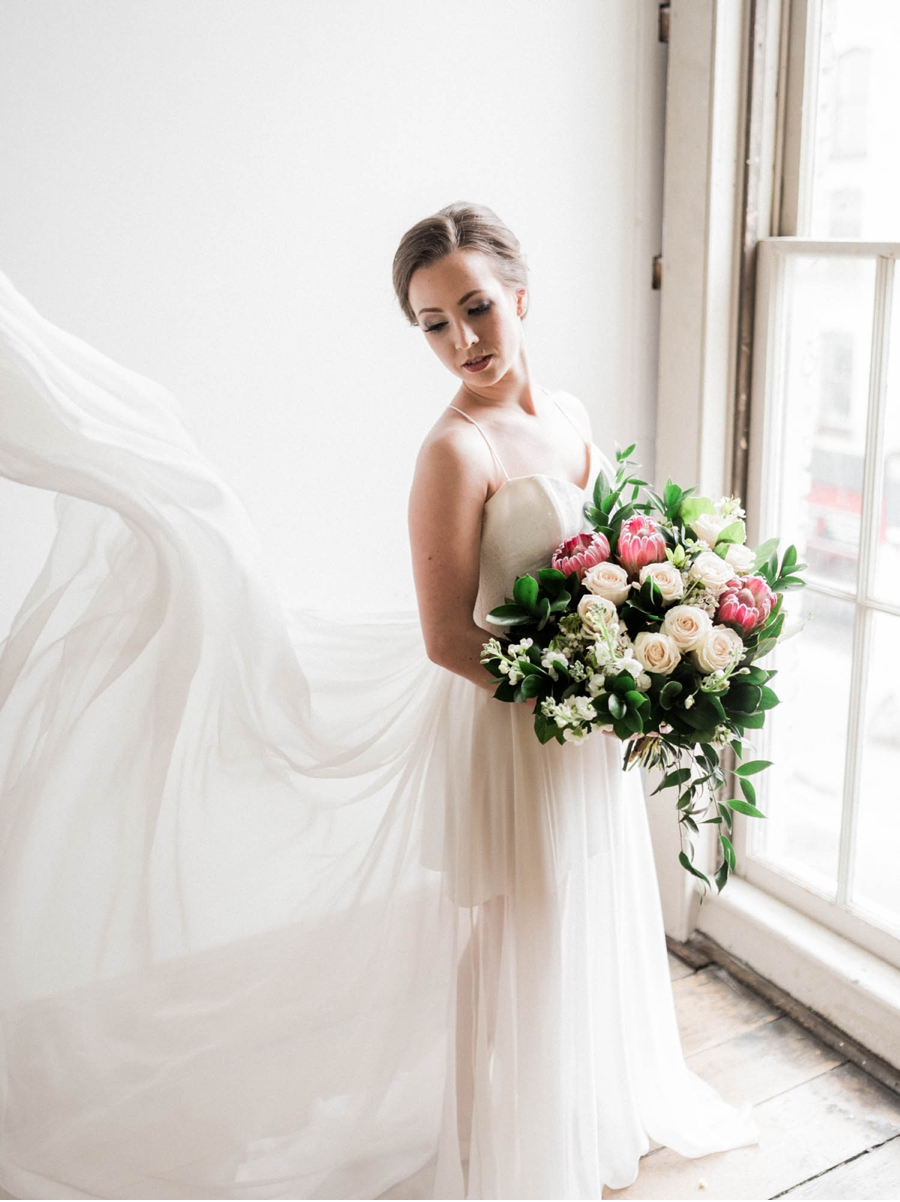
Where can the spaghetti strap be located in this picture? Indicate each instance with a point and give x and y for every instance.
(490, 445)
(568, 418)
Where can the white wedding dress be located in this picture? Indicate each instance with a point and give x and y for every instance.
(287, 911)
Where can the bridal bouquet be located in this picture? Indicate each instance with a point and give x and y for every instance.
(649, 627)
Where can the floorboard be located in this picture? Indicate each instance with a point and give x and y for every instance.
(827, 1129)
(713, 1007)
(875, 1174)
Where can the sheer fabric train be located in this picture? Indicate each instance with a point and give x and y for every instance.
(286, 910)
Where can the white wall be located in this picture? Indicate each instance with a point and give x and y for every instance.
(211, 191)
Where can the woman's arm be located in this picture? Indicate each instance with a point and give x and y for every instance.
(445, 510)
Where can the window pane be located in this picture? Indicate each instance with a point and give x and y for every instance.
(806, 737)
(887, 539)
(876, 877)
(855, 160)
(827, 316)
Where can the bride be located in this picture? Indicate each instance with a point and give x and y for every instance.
(289, 905)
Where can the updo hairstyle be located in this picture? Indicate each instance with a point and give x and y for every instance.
(459, 226)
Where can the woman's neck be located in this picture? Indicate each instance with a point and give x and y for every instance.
(516, 390)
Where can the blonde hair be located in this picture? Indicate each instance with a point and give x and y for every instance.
(459, 226)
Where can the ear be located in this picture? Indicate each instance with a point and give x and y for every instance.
(521, 302)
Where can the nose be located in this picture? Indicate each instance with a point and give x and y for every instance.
(465, 336)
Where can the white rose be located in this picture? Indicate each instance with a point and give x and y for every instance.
(667, 577)
(607, 580)
(656, 652)
(741, 558)
(709, 526)
(686, 625)
(597, 613)
(718, 650)
(712, 571)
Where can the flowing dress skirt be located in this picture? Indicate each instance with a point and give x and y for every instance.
(285, 909)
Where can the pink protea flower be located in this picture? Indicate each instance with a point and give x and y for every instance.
(640, 542)
(746, 604)
(581, 553)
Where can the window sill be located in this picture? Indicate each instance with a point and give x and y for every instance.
(848, 986)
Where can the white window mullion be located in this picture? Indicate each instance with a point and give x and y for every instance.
(853, 764)
(869, 521)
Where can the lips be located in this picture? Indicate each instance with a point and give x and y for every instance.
(478, 364)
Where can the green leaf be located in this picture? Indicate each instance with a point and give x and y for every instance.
(786, 583)
(789, 559)
(525, 591)
(552, 580)
(756, 675)
(744, 807)
(669, 692)
(753, 721)
(542, 610)
(509, 615)
(765, 551)
(616, 706)
(721, 876)
(728, 851)
(685, 863)
(693, 508)
(678, 777)
(748, 790)
(621, 455)
(710, 752)
(744, 698)
(544, 728)
(634, 722)
(672, 494)
(733, 533)
(769, 699)
(532, 686)
(602, 488)
(752, 767)
(560, 603)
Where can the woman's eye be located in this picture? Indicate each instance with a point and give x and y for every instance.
(482, 308)
(438, 325)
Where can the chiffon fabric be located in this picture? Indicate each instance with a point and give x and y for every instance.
(287, 911)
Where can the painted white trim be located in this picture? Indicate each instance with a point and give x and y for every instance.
(701, 197)
(851, 988)
(702, 194)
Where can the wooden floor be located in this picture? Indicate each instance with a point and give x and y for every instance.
(827, 1129)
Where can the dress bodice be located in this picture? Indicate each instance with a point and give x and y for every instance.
(524, 522)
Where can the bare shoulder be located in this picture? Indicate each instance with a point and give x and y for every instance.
(454, 457)
(576, 411)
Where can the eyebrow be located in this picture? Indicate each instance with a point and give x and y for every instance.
(462, 300)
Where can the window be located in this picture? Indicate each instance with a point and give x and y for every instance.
(825, 467)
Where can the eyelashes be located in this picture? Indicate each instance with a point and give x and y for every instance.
(477, 311)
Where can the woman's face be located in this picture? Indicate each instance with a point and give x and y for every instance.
(471, 318)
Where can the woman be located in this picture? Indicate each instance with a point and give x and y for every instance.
(287, 910)
(567, 1050)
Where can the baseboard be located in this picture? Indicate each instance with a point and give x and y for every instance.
(844, 995)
